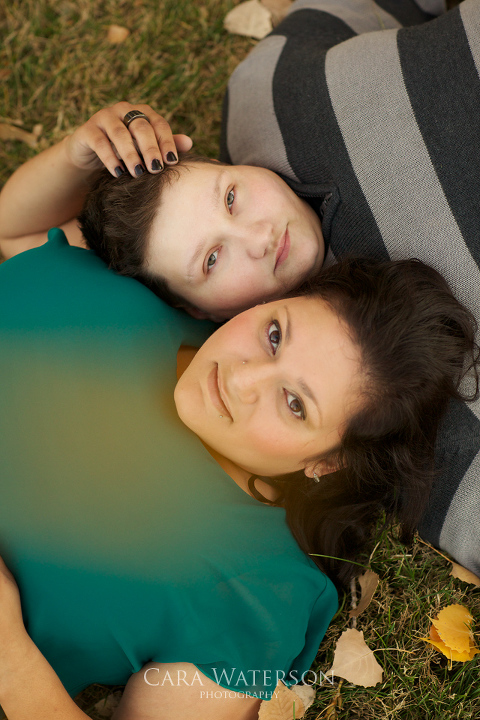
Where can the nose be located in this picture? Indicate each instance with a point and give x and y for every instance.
(249, 379)
(259, 240)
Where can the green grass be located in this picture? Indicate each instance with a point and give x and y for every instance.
(57, 69)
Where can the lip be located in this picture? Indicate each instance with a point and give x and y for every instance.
(283, 249)
(215, 393)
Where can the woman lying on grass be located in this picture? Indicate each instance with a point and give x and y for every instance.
(178, 534)
(378, 131)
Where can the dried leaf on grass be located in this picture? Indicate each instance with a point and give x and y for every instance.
(10, 132)
(106, 707)
(462, 573)
(284, 705)
(277, 8)
(368, 582)
(354, 661)
(451, 633)
(117, 34)
(250, 18)
(306, 693)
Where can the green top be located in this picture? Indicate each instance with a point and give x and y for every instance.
(128, 541)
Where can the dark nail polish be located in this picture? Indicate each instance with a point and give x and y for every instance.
(138, 170)
(118, 171)
(171, 157)
(156, 165)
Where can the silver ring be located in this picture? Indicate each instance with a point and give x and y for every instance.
(133, 115)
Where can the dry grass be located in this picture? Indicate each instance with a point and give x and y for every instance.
(57, 69)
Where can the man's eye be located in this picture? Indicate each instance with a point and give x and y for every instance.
(295, 405)
(212, 259)
(274, 335)
(230, 198)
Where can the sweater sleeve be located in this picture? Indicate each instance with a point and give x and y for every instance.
(251, 133)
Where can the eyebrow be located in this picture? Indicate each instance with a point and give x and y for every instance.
(200, 247)
(303, 385)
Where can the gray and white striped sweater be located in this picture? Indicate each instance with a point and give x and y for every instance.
(371, 111)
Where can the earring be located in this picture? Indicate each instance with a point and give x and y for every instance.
(316, 477)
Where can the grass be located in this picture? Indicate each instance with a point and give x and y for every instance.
(57, 69)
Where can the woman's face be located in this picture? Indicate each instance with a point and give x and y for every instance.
(273, 387)
(229, 236)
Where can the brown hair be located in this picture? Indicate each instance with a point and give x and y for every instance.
(117, 217)
(417, 342)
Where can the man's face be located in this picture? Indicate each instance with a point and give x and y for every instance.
(227, 237)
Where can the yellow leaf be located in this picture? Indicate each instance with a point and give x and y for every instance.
(453, 624)
(368, 582)
(354, 661)
(117, 34)
(437, 642)
(249, 18)
(282, 705)
(465, 575)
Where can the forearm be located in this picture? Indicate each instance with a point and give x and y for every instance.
(47, 190)
(32, 691)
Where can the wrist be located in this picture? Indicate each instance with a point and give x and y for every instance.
(17, 661)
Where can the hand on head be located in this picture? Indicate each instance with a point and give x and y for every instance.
(126, 137)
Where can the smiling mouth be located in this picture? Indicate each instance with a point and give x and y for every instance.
(216, 394)
(283, 250)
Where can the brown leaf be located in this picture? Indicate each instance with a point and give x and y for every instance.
(368, 582)
(106, 707)
(282, 705)
(354, 661)
(465, 575)
(249, 18)
(10, 132)
(117, 34)
(278, 9)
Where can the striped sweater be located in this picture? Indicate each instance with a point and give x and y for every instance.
(380, 132)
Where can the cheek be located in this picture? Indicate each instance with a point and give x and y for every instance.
(269, 438)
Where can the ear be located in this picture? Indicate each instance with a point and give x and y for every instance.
(321, 467)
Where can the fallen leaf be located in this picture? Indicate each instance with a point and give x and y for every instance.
(453, 624)
(10, 132)
(306, 693)
(368, 582)
(117, 34)
(465, 575)
(249, 18)
(277, 8)
(284, 705)
(354, 661)
(452, 635)
(107, 706)
(437, 642)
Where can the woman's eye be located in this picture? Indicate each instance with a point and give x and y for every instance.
(230, 198)
(274, 335)
(295, 405)
(212, 259)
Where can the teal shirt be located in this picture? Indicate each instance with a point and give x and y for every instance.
(128, 541)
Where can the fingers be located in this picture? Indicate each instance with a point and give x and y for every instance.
(183, 142)
(143, 146)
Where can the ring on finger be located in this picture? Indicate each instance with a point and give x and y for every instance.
(133, 115)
